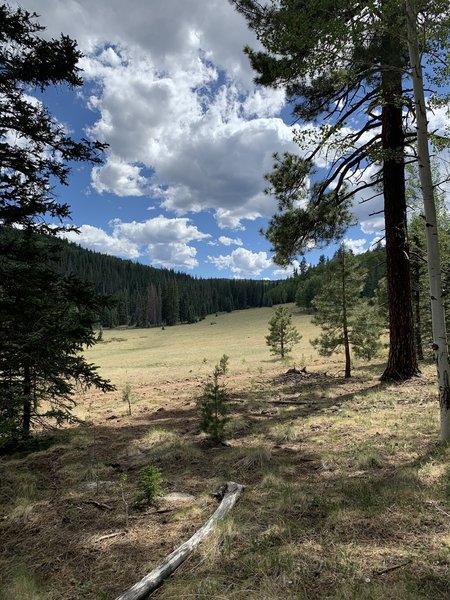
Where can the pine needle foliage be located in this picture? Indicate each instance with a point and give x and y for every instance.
(150, 486)
(346, 319)
(213, 405)
(282, 334)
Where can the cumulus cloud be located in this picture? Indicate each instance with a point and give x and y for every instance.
(226, 241)
(97, 239)
(165, 241)
(242, 262)
(176, 103)
(117, 175)
(204, 152)
(356, 246)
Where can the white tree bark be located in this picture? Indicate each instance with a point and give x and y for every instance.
(440, 347)
(150, 582)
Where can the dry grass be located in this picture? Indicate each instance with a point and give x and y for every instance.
(347, 493)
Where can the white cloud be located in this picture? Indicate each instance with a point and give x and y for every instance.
(159, 230)
(356, 246)
(174, 98)
(172, 255)
(226, 241)
(286, 272)
(242, 262)
(202, 150)
(98, 240)
(117, 175)
(166, 242)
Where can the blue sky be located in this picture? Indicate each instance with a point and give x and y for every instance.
(190, 137)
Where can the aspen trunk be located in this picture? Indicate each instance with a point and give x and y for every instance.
(440, 347)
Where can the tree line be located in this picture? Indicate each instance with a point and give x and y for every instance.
(145, 296)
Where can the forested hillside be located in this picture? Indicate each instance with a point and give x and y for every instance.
(146, 296)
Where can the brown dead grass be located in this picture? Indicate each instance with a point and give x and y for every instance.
(347, 494)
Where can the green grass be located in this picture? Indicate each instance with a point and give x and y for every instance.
(143, 355)
(347, 492)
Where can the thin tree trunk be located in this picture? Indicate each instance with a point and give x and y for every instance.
(415, 273)
(440, 347)
(344, 318)
(418, 324)
(402, 360)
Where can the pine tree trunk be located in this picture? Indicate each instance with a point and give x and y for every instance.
(440, 347)
(402, 360)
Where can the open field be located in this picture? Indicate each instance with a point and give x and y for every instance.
(347, 492)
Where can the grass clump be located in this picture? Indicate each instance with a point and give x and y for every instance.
(24, 585)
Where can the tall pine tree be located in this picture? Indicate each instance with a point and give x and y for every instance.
(45, 318)
(343, 63)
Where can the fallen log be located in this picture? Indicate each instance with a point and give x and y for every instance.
(150, 582)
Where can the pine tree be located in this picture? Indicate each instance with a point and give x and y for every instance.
(45, 319)
(342, 63)
(282, 334)
(345, 317)
(213, 406)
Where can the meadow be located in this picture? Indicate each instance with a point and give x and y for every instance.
(347, 491)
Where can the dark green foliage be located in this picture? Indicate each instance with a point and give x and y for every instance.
(46, 319)
(282, 334)
(296, 227)
(148, 297)
(341, 64)
(150, 486)
(213, 405)
(345, 317)
(28, 168)
(371, 264)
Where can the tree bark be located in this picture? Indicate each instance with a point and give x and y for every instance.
(402, 360)
(440, 346)
(415, 277)
(150, 582)
(344, 318)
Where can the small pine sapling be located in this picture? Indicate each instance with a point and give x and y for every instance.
(213, 405)
(150, 486)
(282, 334)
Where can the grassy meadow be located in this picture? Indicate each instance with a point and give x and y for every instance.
(347, 490)
(142, 355)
